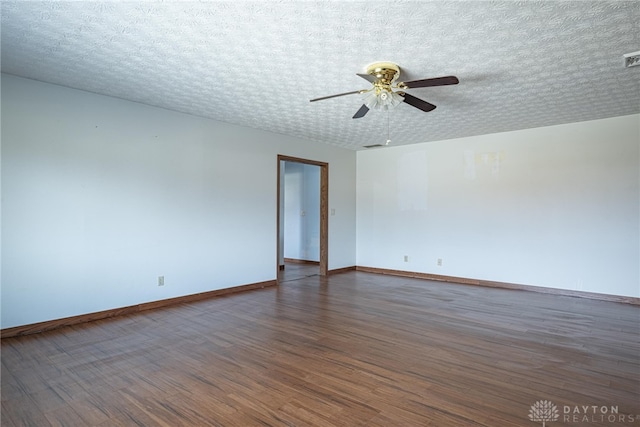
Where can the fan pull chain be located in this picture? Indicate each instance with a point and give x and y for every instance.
(388, 130)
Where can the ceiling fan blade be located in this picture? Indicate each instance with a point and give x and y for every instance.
(436, 81)
(361, 112)
(368, 77)
(334, 96)
(417, 102)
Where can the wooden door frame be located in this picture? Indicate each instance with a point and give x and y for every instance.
(324, 211)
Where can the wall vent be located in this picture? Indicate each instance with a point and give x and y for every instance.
(631, 59)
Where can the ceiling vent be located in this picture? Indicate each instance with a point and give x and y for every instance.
(631, 59)
(378, 145)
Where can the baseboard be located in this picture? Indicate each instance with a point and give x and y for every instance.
(83, 318)
(502, 285)
(342, 270)
(301, 261)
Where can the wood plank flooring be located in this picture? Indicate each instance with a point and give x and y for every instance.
(297, 271)
(353, 349)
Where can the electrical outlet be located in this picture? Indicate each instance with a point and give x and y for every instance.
(406, 258)
(439, 262)
(160, 280)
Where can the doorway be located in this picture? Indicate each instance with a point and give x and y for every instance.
(302, 221)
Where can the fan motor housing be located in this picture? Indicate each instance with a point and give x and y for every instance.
(384, 72)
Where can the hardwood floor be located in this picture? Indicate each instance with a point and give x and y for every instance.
(297, 271)
(353, 349)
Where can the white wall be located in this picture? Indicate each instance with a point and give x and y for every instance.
(100, 196)
(302, 211)
(555, 207)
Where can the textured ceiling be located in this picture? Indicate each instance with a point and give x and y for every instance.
(521, 64)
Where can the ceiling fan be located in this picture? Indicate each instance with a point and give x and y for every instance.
(383, 76)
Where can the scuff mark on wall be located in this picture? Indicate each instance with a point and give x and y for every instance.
(475, 163)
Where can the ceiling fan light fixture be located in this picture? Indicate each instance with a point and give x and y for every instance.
(383, 76)
(370, 99)
(382, 99)
(395, 99)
